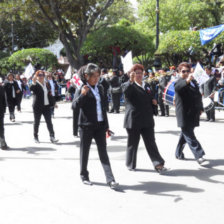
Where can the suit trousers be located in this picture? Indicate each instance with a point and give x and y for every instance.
(97, 133)
(46, 112)
(211, 114)
(163, 108)
(19, 100)
(187, 136)
(150, 144)
(115, 101)
(11, 106)
(2, 126)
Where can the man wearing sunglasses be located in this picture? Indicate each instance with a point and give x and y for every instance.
(189, 107)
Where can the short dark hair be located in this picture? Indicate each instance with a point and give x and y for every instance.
(91, 68)
(184, 64)
(137, 67)
(208, 67)
(104, 70)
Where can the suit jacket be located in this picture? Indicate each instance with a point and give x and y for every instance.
(8, 90)
(38, 96)
(2, 100)
(188, 102)
(115, 81)
(163, 81)
(209, 86)
(139, 108)
(85, 113)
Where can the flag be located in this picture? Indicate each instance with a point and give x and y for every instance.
(206, 35)
(29, 71)
(77, 81)
(127, 62)
(199, 74)
(68, 74)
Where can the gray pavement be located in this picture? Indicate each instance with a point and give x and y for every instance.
(40, 183)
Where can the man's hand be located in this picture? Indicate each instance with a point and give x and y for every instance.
(201, 112)
(154, 102)
(84, 90)
(190, 78)
(18, 91)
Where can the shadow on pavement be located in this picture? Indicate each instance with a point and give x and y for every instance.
(156, 188)
(201, 174)
(33, 150)
(177, 133)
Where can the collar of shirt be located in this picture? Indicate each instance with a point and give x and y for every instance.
(142, 86)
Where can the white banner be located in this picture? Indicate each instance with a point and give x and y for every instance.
(199, 74)
(127, 62)
(29, 71)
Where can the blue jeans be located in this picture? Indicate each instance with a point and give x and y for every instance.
(187, 136)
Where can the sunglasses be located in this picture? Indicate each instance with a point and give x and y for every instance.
(185, 71)
(40, 75)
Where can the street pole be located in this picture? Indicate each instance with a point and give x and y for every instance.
(157, 24)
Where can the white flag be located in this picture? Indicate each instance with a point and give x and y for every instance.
(29, 71)
(199, 74)
(68, 74)
(127, 62)
(77, 81)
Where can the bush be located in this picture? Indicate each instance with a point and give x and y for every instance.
(34, 55)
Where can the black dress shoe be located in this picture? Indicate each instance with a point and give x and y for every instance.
(87, 182)
(111, 111)
(4, 147)
(36, 140)
(131, 169)
(113, 185)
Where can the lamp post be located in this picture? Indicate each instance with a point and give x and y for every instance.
(157, 24)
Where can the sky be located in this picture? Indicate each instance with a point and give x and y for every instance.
(134, 3)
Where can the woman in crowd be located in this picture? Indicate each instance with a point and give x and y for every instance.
(139, 121)
(11, 89)
(19, 95)
(189, 107)
(93, 123)
(42, 103)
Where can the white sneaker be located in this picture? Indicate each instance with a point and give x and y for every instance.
(202, 161)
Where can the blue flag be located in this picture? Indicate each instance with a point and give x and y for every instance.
(206, 35)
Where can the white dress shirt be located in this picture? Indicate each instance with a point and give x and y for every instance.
(19, 84)
(142, 86)
(44, 87)
(96, 93)
(52, 87)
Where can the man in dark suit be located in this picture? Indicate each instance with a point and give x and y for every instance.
(42, 102)
(93, 123)
(139, 120)
(189, 107)
(208, 90)
(3, 144)
(19, 95)
(163, 81)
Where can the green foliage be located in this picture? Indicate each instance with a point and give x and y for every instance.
(180, 14)
(98, 44)
(176, 46)
(34, 55)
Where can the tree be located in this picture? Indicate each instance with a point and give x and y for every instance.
(99, 44)
(181, 14)
(178, 46)
(26, 33)
(72, 20)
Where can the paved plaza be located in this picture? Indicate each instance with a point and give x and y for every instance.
(40, 183)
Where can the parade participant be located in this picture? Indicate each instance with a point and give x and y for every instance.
(208, 90)
(93, 123)
(54, 90)
(116, 92)
(42, 102)
(3, 144)
(163, 81)
(11, 89)
(139, 120)
(20, 94)
(188, 102)
(103, 81)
